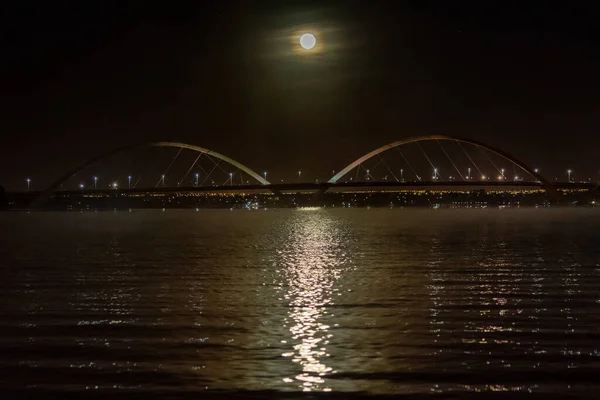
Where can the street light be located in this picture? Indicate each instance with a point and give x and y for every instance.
(129, 181)
(569, 172)
(368, 174)
(299, 174)
(401, 174)
(28, 184)
(163, 180)
(435, 171)
(114, 185)
(265, 174)
(95, 182)
(197, 178)
(81, 186)
(231, 178)
(469, 174)
(536, 170)
(502, 170)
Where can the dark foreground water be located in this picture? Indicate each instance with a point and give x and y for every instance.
(463, 303)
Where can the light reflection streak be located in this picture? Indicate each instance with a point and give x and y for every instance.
(492, 290)
(311, 265)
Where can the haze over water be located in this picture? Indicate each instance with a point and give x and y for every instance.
(379, 301)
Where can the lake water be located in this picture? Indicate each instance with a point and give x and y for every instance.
(461, 302)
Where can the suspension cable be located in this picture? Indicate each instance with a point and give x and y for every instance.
(490, 160)
(391, 172)
(169, 167)
(473, 162)
(446, 153)
(201, 169)
(368, 171)
(425, 154)
(210, 173)
(231, 175)
(217, 164)
(192, 166)
(409, 164)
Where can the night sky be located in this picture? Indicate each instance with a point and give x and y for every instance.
(80, 80)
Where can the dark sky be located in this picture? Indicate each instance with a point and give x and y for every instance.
(81, 78)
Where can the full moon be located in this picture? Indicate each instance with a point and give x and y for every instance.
(308, 41)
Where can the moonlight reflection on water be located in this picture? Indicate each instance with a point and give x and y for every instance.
(312, 261)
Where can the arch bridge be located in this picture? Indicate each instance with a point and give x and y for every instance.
(43, 196)
(537, 177)
(467, 161)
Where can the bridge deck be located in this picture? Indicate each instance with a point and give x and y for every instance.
(459, 186)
